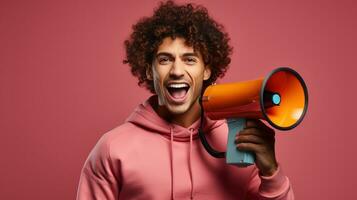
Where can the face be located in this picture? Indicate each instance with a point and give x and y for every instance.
(178, 73)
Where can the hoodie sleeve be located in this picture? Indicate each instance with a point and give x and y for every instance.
(275, 187)
(99, 177)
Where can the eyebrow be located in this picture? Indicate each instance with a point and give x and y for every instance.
(170, 55)
(164, 54)
(190, 54)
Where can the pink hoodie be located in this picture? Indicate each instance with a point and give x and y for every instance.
(149, 158)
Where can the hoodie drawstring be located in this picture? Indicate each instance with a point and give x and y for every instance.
(172, 164)
(189, 162)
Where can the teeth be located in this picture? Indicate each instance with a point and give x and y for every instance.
(178, 85)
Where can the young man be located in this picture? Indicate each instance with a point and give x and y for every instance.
(156, 153)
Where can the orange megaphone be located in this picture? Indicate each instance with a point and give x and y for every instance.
(280, 98)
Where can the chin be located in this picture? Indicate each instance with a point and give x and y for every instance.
(178, 109)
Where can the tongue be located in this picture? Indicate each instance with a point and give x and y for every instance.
(178, 93)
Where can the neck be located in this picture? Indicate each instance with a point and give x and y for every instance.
(185, 119)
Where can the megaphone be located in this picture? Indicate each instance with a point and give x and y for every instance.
(281, 99)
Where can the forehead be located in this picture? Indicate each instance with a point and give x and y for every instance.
(175, 46)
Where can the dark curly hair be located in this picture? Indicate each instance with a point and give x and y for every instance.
(188, 21)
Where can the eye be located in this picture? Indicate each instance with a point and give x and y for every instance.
(191, 60)
(163, 60)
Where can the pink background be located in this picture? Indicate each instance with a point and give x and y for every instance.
(63, 85)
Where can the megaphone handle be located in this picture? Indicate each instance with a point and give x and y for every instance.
(233, 155)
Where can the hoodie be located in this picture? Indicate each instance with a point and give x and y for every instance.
(150, 158)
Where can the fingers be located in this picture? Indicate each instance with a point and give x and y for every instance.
(254, 123)
(258, 138)
(255, 132)
(249, 139)
(256, 148)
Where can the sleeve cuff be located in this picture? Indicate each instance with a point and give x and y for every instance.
(274, 185)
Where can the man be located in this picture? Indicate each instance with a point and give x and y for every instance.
(156, 153)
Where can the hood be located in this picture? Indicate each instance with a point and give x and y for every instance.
(146, 117)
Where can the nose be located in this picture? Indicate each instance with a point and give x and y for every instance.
(177, 69)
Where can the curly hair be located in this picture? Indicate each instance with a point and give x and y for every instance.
(188, 21)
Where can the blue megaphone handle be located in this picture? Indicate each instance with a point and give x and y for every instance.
(233, 155)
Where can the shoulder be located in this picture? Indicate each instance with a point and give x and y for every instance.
(121, 140)
(115, 140)
(120, 134)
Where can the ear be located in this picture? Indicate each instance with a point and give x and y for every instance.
(149, 72)
(207, 73)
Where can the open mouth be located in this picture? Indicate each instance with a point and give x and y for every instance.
(178, 90)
